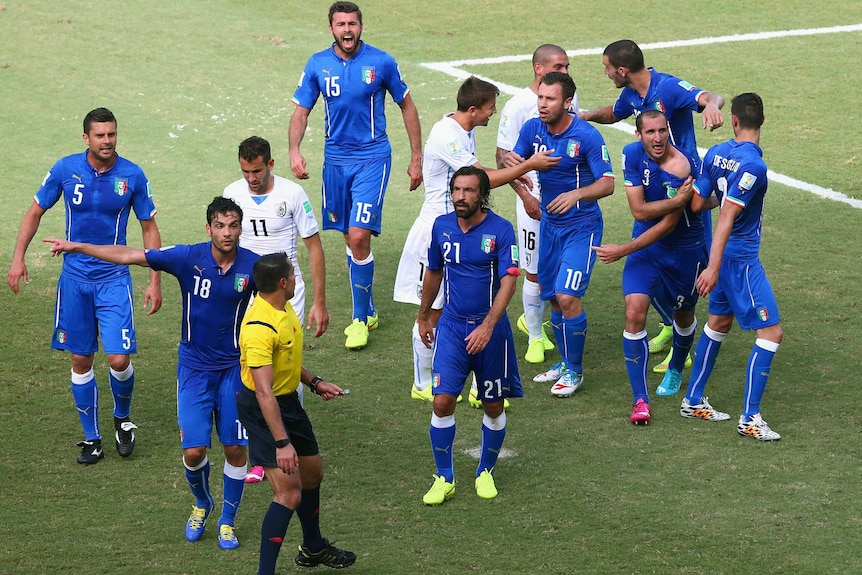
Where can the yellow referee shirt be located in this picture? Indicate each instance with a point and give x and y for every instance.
(271, 337)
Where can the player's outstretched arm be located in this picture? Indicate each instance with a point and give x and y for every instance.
(604, 115)
(29, 226)
(318, 315)
(152, 241)
(414, 135)
(122, 255)
(298, 125)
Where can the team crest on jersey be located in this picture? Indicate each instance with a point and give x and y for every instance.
(573, 148)
(121, 186)
(747, 181)
(61, 337)
(435, 380)
(281, 209)
(489, 242)
(762, 313)
(240, 282)
(368, 74)
(419, 291)
(331, 217)
(685, 86)
(659, 106)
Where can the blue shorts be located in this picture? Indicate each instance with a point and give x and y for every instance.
(744, 292)
(566, 257)
(666, 275)
(204, 397)
(84, 311)
(493, 366)
(353, 194)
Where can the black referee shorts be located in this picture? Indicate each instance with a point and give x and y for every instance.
(261, 443)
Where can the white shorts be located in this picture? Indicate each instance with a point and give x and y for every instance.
(412, 266)
(528, 238)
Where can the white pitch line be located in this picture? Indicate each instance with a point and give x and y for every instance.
(453, 68)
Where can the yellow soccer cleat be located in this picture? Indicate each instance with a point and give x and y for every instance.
(440, 491)
(485, 487)
(357, 335)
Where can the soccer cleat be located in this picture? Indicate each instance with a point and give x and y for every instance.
(372, 322)
(485, 487)
(91, 452)
(569, 383)
(702, 410)
(440, 491)
(255, 474)
(755, 427)
(663, 340)
(522, 327)
(553, 374)
(641, 413)
(226, 537)
(197, 523)
(474, 401)
(357, 335)
(124, 436)
(663, 366)
(535, 351)
(330, 555)
(424, 395)
(670, 383)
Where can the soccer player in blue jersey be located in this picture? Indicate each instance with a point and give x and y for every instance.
(735, 279)
(280, 434)
(665, 255)
(571, 221)
(353, 78)
(474, 251)
(94, 298)
(216, 284)
(643, 89)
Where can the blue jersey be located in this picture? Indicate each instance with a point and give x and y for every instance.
(354, 93)
(213, 303)
(676, 98)
(737, 173)
(585, 160)
(97, 209)
(472, 262)
(639, 169)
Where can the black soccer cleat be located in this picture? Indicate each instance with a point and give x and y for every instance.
(124, 436)
(91, 452)
(330, 555)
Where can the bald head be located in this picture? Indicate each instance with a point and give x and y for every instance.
(549, 58)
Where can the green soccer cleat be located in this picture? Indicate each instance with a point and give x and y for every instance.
(372, 323)
(522, 327)
(424, 395)
(357, 335)
(485, 487)
(535, 351)
(662, 367)
(663, 340)
(441, 491)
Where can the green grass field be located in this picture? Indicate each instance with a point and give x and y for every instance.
(582, 490)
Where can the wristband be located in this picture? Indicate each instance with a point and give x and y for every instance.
(279, 443)
(312, 385)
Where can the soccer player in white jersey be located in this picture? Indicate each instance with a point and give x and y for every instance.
(451, 145)
(520, 108)
(276, 212)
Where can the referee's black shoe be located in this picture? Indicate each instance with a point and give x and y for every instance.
(124, 435)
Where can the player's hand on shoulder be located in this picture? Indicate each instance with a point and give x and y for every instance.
(685, 191)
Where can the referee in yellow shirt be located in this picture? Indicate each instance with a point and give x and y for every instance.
(280, 436)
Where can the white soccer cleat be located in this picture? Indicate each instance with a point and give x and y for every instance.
(568, 384)
(556, 372)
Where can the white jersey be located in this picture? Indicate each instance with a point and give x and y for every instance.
(520, 108)
(274, 222)
(449, 147)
